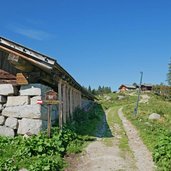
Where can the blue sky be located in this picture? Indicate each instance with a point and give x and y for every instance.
(99, 42)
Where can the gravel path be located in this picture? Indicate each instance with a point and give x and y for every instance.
(99, 156)
(143, 157)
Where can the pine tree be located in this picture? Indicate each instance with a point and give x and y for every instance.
(169, 74)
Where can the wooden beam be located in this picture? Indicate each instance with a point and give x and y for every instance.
(60, 104)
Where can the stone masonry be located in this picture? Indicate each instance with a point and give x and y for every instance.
(19, 111)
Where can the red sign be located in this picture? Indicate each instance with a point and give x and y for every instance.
(39, 101)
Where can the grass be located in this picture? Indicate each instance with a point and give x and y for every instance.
(154, 133)
(150, 130)
(30, 153)
(115, 122)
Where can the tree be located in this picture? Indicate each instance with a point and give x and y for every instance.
(169, 74)
(89, 89)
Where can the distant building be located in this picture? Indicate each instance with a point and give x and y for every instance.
(125, 87)
(146, 87)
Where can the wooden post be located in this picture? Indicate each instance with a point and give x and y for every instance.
(49, 121)
(67, 92)
(71, 103)
(64, 103)
(80, 100)
(60, 104)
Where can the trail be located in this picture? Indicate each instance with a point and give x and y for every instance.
(100, 156)
(142, 156)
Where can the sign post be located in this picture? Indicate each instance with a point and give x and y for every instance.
(139, 91)
(51, 98)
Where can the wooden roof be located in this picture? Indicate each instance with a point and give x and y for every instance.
(33, 61)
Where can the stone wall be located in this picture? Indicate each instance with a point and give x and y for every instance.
(19, 111)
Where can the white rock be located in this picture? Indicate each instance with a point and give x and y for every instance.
(11, 122)
(7, 89)
(34, 90)
(5, 131)
(29, 111)
(34, 99)
(33, 126)
(2, 120)
(3, 99)
(17, 100)
(154, 116)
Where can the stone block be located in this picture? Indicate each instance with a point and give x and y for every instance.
(29, 111)
(11, 122)
(34, 90)
(32, 126)
(17, 100)
(34, 99)
(3, 99)
(2, 120)
(6, 131)
(7, 89)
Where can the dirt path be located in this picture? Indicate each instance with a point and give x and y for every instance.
(105, 154)
(143, 157)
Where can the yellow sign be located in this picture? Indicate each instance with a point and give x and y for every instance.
(51, 101)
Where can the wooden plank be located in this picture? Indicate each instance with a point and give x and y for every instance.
(21, 80)
(60, 104)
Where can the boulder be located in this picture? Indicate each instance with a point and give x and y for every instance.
(34, 90)
(2, 120)
(7, 89)
(11, 122)
(31, 126)
(3, 99)
(29, 111)
(6, 131)
(121, 97)
(154, 116)
(17, 100)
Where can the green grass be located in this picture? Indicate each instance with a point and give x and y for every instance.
(154, 133)
(113, 119)
(41, 153)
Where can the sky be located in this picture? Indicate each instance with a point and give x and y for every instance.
(99, 42)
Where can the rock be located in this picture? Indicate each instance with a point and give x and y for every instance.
(154, 116)
(121, 97)
(2, 120)
(34, 90)
(23, 169)
(29, 111)
(25, 111)
(6, 131)
(7, 89)
(3, 99)
(17, 100)
(34, 99)
(33, 126)
(11, 122)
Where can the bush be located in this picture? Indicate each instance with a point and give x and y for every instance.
(162, 152)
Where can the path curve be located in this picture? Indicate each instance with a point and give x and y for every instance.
(142, 155)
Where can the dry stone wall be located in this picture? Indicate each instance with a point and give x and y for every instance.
(19, 111)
